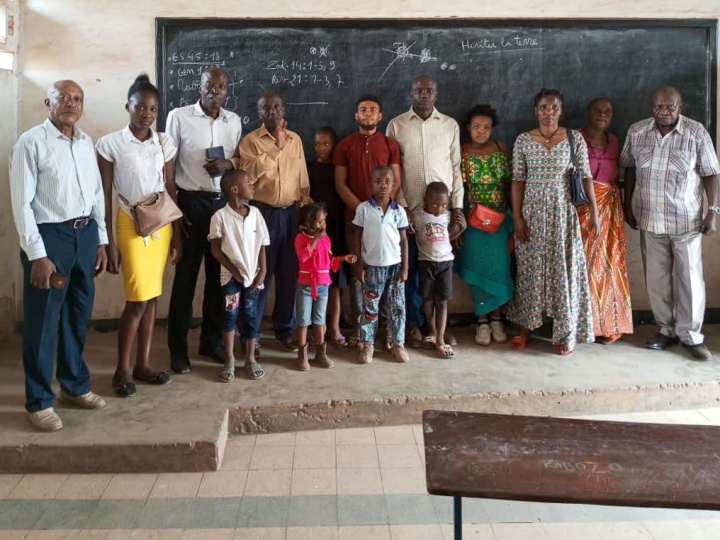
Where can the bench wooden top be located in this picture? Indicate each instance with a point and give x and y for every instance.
(572, 461)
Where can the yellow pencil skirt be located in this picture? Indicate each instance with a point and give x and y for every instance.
(142, 265)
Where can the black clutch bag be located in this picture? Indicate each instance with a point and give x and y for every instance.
(577, 190)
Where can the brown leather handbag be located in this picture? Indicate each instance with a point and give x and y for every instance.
(153, 213)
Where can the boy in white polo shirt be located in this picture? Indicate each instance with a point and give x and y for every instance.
(380, 243)
(238, 236)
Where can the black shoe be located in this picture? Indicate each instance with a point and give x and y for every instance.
(126, 390)
(661, 342)
(698, 352)
(288, 343)
(216, 353)
(180, 364)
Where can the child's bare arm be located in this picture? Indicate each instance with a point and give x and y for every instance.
(457, 226)
(262, 270)
(357, 251)
(403, 257)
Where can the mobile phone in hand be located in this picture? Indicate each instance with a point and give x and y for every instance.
(57, 281)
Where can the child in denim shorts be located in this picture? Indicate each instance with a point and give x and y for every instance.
(314, 253)
(238, 236)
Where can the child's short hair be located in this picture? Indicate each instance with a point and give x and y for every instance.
(229, 178)
(436, 188)
(309, 213)
(327, 130)
(380, 169)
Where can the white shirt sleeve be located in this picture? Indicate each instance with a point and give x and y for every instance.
(23, 184)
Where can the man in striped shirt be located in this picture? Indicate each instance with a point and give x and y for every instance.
(669, 161)
(59, 210)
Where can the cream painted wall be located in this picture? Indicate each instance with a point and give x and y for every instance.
(104, 44)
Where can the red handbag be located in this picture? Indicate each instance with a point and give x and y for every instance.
(484, 218)
(481, 217)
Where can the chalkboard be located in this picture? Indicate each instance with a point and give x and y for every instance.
(321, 67)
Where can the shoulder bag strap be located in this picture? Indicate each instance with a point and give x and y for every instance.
(571, 142)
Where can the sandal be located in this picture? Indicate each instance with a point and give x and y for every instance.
(445, 351)
(562, 350)
(126, 390)
(519, 342)
(607, 340)
(227, 375)
(354, 341)
(339, 341)
(254, 371)
(159, 378)
(429, 342)
(415, 338)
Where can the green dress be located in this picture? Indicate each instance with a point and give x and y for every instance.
(484, 259)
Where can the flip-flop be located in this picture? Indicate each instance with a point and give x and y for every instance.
(227, 375)
(445, 351)
(158, 379)
(562, 350)
(429, 342)
(450, 339)
(338, 341)
(254, 370)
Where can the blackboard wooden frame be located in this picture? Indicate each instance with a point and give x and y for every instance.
(163, 25)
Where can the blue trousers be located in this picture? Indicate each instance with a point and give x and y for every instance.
(413, 298)
(381, 280)
(59, 316)
(282, 264)
(196, 248)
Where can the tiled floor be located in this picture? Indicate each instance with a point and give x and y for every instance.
(354, 484)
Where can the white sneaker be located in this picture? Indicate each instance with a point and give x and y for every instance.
(86, 401)
(482, 334)
(498, 331)
(45, 420)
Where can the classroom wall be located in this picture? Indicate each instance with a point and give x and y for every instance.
(104, 44)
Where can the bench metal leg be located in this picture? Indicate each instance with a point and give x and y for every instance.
(457, 511)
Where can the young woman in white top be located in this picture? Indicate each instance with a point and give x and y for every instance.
(138, 163)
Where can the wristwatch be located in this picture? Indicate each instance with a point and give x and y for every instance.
(714, 209)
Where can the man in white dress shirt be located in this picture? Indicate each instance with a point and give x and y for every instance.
(430, 152)
(59, 211)
(197, 128)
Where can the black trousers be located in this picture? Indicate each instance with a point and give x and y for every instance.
(196, 248)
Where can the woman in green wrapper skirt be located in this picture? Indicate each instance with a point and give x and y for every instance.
(483, 261)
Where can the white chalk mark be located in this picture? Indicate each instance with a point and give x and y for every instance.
(199, 63)
(503, 51)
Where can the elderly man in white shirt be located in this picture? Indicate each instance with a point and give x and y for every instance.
(430, 151)
(58, 206)
(196, 129)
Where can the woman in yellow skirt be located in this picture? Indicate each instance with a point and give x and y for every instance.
(138, 163)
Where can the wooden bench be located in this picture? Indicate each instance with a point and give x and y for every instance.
(562, 460)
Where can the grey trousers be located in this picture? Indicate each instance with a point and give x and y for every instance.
(678, 313)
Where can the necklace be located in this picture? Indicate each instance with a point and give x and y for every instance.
(547, 139)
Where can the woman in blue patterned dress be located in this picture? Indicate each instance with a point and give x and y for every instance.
(552, 273)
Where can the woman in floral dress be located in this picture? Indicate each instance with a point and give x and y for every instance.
(483, 261)
(552, 273)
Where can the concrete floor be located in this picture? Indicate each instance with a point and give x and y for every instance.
(184, 426)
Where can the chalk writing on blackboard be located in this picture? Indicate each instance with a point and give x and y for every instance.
(402, 51)
(515, 42)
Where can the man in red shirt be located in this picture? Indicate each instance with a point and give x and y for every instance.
(355, 156)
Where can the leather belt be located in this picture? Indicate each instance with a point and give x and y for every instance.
(77, 223)
(215, 195)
